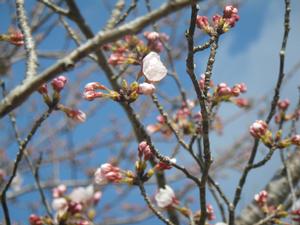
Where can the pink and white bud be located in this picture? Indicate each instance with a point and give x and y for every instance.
(146, 88)
(235, 91)
(202, 22)
(261, 198)
(35, 220)
(165, 197)
(295, 140)
(152, 128)
(59, 191)
(283, 104)
(16, 38)
(92, 95)
(76, 115)
(258, 128)
(242, 102)
(145, 150)
(83, 222)
(164, 165)
(116, 59)
(242, 87)
(210, 212)
(153, 69)
(229, 10)
(94, 86)
(151, 36)
(108, 173)
(223, 90)
(58, 83)
(217, 20)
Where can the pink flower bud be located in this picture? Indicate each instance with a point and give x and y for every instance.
(145, 150)
(258, 129)
(76, 115)
(146, 88)
(94, 86)
(210, 212)
(242, 102)
(235, 91)
(202, 22)
(165, 166)
(152, 128)
(283, 104)
(43, 89)
(91, 95)
(160, 119)
(242, 87)
(35, 220)
(153, 69)
(107, 173)
(261, 198)
(58, 83)
(59, 191)
(296, 139)
(16, 38)
(217, 19)
(151, 36)
(229, 10)
(116, 59)
(223, 90)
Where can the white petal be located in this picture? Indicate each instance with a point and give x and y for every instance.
(153, 69)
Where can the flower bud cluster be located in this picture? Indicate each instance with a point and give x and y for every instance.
(261, 198)
(259, 130)
(108, 173)
(156, 40)
(220, 24)
(222, 92)
(76, 208)
(277, 212)
(183, 120)
(14, 37)
(144, 151)
(153, 70)
(131, 49)
(282, 115)
(58, 85)
(210, 212)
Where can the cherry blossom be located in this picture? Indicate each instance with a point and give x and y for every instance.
(153, 69)
(146, 88)
(165, 197)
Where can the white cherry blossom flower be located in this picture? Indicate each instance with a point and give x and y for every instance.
(153, 69)
(165, 197)
(82, 195)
